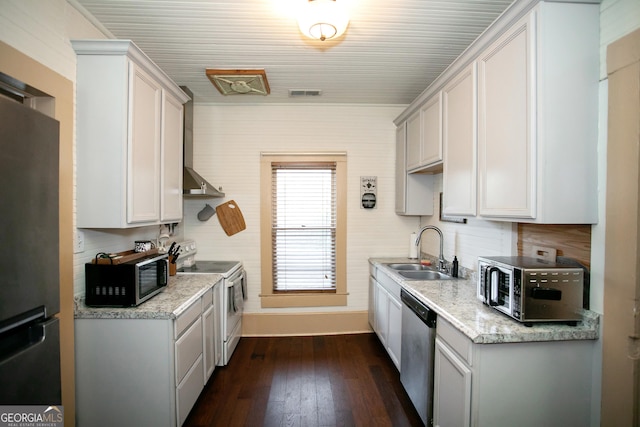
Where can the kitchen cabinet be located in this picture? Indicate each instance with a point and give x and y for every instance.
(172, 169)
(459, 135)
(528, 383)
(145, 371)
(211, 324)
(129, 138)
(414, 139)
(387, 312)
(424, 136)
(534, 128)
(189, 359)
(452, 379)
(414, 192)
(537, 118)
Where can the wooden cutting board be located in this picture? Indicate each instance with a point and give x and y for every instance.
(230, 217)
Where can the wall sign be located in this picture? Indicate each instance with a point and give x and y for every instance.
(368, 191)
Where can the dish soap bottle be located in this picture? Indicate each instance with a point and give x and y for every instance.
(454, 267)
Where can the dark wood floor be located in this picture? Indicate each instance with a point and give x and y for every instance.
(342, 380)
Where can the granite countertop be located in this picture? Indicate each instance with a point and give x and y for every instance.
(456, 301)
(179, 294)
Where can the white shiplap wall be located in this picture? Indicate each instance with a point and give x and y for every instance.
(468, 241)
(227, 145)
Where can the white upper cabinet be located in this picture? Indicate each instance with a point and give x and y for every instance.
(431, 147)
(129, 138)
(424, 136)
(537, 118)
(460, 144)
(516, 119)
(171, 144)
(143, 149)
(414, 141)
(414, 191)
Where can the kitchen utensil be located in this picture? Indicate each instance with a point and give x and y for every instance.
(206, 213)
(230, 217)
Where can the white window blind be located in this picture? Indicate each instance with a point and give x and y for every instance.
(304, 226)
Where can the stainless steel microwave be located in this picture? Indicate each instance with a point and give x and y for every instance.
(127, 284)
(531, 290)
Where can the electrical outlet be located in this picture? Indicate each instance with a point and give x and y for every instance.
(78, 244)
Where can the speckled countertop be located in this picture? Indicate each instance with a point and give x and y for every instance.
(179, 294)
(456, 302)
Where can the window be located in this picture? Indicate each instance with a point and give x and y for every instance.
(303, 230)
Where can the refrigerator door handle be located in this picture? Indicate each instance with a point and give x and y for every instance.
(23, 319)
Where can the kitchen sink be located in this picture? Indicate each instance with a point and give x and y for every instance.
(409, 266)
(424, 275)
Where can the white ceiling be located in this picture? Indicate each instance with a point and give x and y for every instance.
(391, 51)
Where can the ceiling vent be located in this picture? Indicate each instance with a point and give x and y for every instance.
(295, 93)
(239, 82)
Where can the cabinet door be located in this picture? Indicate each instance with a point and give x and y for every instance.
(460, 143)
(188, 391)
(171, 176)
(143, 164)
(414, 141)
(209, 347)
(382, 314)
(414, 192)
(401, 168)
(451, 389)
(188, 350)
(372, 303)
(506, 146)
(431, 141)
(217, 325)
(395, 331)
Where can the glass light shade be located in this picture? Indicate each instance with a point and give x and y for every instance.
(323, 19)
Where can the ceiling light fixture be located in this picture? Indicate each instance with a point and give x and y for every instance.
(323, 19)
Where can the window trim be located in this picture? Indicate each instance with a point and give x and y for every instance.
(270, 298)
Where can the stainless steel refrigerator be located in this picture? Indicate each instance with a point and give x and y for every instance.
(29, 257)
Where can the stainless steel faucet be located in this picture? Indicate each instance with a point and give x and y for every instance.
(442, 263)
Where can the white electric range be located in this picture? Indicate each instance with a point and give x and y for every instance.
(232, 293)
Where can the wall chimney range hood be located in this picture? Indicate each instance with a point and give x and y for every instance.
(193, 184)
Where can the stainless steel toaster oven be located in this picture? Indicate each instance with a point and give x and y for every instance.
(531, 290)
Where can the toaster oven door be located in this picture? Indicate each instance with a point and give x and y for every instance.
(496, 287)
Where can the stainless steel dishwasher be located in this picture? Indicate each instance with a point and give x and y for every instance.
(417, 353)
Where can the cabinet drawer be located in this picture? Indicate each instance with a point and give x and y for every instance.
(188, 349)
(187, 317)
(455, 339)
(389, 284)
(188, 391)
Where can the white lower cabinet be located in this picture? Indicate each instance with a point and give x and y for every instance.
(452, 383)
(212, 348)
(528, 384)
(387, 313)
(145, 372)
(189, 368)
